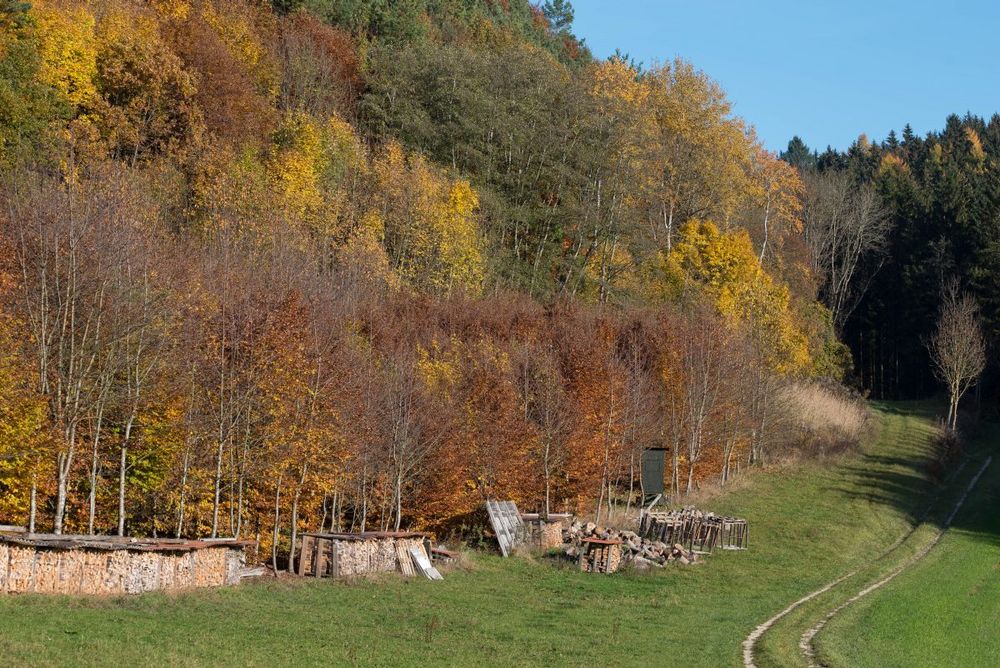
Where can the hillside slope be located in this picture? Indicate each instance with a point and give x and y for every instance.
(809, 524)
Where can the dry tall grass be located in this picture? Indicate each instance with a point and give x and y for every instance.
(822, 420)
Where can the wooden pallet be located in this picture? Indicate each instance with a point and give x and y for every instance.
(506, 523)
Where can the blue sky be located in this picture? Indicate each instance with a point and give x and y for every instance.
(826, 71)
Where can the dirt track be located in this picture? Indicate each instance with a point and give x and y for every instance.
(806, 640)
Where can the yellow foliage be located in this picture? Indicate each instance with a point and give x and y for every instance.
(315, 166)
(699, 153)
(365, 252)
(344, 154)
(432, 232)
(236, 25)
(892, 163)
(233, 192)
(175, 10)
(614, 79)
(975, 146)
(457, 239)
(68, 52)
(613, 266)
(440, 368)
(118, 26)
(371, 229)
(653, 280)
(712, 258)
(148, 97)
(726, 266)
(778, 189)
(297, 164)
(22, 420)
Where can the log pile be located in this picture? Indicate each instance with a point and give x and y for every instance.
(350, 554)
(600, 556)
(579, 539)
(550, 535)
(545, 534)
(372, 556)
(44, 563)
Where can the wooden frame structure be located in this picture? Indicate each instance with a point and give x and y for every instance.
(600, 556)
(696, 530)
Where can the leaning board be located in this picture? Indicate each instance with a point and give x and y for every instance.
(507, 524)
(423, 564)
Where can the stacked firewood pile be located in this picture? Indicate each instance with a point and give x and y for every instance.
(636, 550)
(67, 564)
(696, 529)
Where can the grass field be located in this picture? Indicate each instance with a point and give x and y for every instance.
(809, 524)
(943, 611)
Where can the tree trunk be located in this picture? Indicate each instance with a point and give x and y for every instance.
(326, 513)
(295, 516)
(294, 533)
(218, 488)
(631, 484)
(675, 477)
(123, 468)
(399, 500)
(600, 503)
(335, 512)
(277, 519)
(33, 506)
(64, 464)
(122, 463)
(767, 215)
(183, 496)
(92, 500)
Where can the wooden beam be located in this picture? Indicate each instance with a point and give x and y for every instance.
(306, 544)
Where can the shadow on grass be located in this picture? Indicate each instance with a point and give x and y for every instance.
(902, 480)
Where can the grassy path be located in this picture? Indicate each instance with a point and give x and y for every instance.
(810, 524)
(807, 644)
(944, 610)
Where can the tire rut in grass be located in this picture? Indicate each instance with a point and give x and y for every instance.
(806, 641)
(750, 643)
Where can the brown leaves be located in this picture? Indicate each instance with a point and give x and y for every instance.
(228, 95)
(322, 70)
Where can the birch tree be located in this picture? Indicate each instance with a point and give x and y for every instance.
(958, 348)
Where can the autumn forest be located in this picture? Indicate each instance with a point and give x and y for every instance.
(273, 267)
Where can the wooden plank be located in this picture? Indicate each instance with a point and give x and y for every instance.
(317, 558)
(306, 545)
(405, 561)
(424, 565)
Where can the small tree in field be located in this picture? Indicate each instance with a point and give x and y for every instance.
(958, 348)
